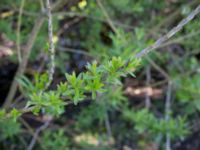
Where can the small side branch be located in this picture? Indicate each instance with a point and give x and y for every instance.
(107, 16)
(171, 33)
(33, 141)
(22, 66)
(167, 114)
(108, 126)
(148, 80)
(51, 45)
(19, 30)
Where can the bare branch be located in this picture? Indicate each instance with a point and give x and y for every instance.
(107, 16)
(51, 45)
(148, 80)
(33, 141)
(22, 66)
(171, 33)
(167, 114)
(18, 31)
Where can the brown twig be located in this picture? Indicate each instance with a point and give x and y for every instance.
(23, 64)
(107, 16)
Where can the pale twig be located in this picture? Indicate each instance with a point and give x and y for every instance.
(171, 33)
(170, 19)
(107, 16)
(76, 14)
(180, 39)
(31, 132)
(77, 51)
(81, 15)
(23, 64)
(26, 13)
(42, 6)
(108, 126)
(37, 132)
(51, 45)
(158, 68)
(19, 30)
(187, 54)
(68, 25)
(167, 114)
(58, 4)
(148, 80)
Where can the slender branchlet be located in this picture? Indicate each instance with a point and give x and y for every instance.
(18, 31)
(27, 50)
(51, 45)
(107, 16)
(22, 66)
(42, 6)
(167, 114)
(171, 33)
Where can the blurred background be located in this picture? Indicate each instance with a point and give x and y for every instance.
(159, 109)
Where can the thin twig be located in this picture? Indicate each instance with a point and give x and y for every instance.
(33, 141)
(76, 14)
(171, 33)
(158, 68)
(107, 16)
(170, 19)
(108, 126)
(22, 66)
(18, 31)
(31, 132)
(51, 45)
(42, 5)
(180, 39)
(167, 114)
(68, 25)
(148, 80)
(77, 51)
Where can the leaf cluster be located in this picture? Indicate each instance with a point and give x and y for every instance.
(145, 121)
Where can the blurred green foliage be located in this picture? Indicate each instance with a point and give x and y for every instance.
(102, 80)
